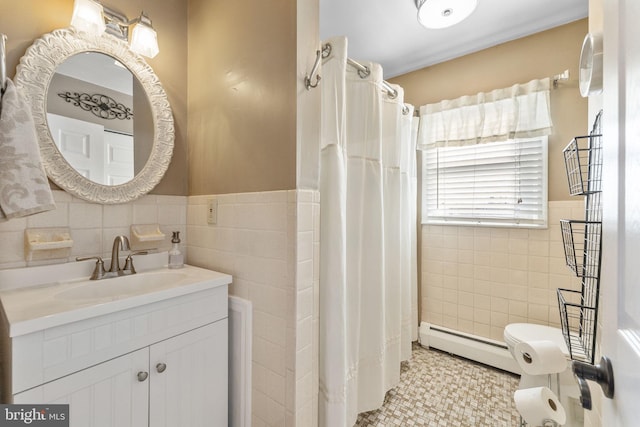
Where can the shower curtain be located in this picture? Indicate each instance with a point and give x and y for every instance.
(367, 244)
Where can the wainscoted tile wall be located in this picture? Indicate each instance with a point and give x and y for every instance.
(269, 242)
(93, 226)
(478, 279)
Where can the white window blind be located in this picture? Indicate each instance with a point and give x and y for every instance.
(493, 184)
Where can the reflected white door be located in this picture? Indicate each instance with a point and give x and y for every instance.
(620, 291)
(81, 143)
(118, 167)
(102, 156)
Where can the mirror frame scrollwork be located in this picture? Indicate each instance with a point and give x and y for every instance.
(33, 76)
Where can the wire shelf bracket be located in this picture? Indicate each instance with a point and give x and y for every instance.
(582, 241)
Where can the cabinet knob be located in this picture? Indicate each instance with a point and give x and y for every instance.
(160, 367)
(142, 376)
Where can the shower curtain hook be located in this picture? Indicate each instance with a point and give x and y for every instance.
(307, 79)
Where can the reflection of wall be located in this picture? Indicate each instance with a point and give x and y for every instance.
(27, 20)
(142, 127)
(58, 105)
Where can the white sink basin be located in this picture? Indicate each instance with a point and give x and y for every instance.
(53, 297)
(120, 287)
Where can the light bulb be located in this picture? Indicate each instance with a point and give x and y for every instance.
(144, 40)
(87, 16)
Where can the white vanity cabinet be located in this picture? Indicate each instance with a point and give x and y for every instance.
(106, 394)
(156, 364)
(188, 379)
(181, 381)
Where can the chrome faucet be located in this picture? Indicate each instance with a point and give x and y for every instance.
(120, 242)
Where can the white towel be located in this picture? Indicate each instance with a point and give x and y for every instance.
(24, 189)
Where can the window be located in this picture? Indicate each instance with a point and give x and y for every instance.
(492, 184)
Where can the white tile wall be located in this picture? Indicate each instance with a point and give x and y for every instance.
(478, 280)
(93, 226)
(269, 242)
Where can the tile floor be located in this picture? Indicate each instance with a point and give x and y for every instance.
(438, 389)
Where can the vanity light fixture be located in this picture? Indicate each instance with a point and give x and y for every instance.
(144, 39)
(436, 14)
(87, 16)
(91, 16)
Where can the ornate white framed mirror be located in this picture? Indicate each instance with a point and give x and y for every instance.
(103, 119)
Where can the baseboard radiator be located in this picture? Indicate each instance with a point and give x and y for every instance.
(240, 333)
(472, 347)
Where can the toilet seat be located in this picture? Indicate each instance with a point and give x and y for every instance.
(520, 332)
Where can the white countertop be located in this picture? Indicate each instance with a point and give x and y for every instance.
(40, 306)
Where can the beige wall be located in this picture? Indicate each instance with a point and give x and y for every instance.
(541, 55)
(478, 279)
(242, 96)
(26, 20)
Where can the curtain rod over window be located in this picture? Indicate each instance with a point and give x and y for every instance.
(558, 78)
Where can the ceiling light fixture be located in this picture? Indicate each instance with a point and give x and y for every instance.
(91, 16)
(437, 14)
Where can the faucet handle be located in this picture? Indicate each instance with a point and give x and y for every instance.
(98, 271)
(128, 264)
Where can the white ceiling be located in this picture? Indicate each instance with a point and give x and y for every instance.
(98, 69)
(387, 31)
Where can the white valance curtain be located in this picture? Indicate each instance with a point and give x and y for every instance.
(521, 111)
(368, 265)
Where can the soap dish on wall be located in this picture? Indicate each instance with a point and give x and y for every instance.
(47, 243)
(146, 236)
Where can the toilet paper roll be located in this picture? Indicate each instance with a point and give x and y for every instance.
(540, 357)
(539, 404)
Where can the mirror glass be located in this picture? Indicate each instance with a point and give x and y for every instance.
(103, 120)
(99, 118)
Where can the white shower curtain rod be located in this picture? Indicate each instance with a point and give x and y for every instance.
(363, 72)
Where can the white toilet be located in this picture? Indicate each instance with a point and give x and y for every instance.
(569, 393)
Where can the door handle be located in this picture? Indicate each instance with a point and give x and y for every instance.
(160, 367)
(142, 376)
(601, 373)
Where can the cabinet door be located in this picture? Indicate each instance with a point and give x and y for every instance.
(108, 394)
(189, 379)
